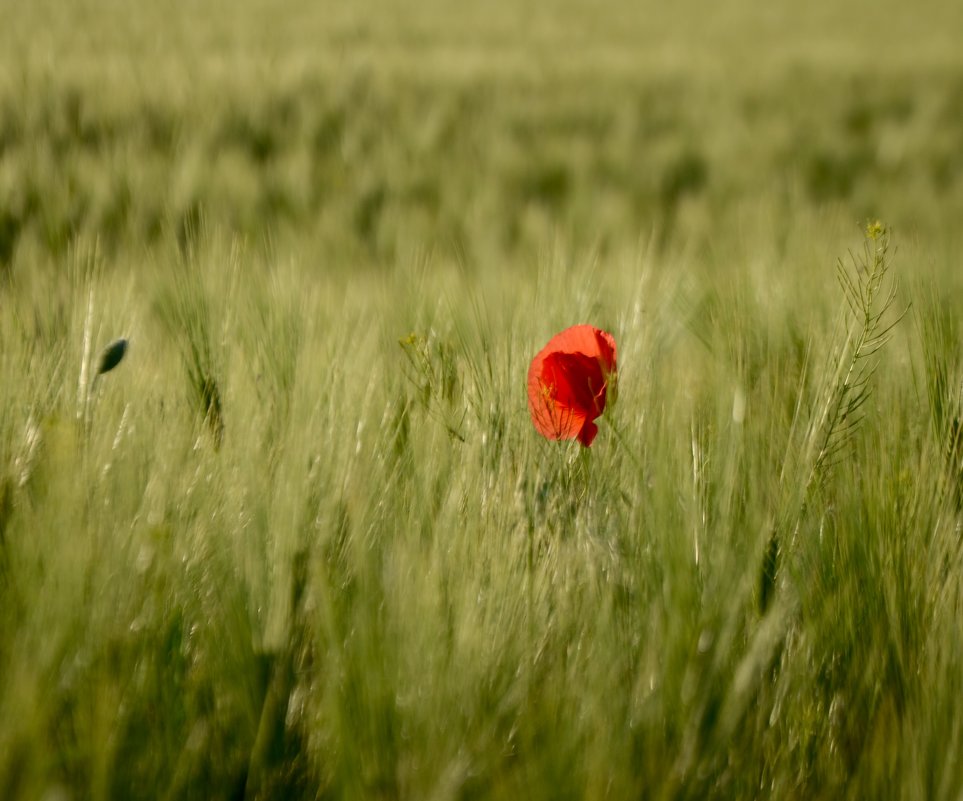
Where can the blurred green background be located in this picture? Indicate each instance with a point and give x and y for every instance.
(304, 542)
(363, 132)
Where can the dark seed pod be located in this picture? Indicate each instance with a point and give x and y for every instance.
(112, 355)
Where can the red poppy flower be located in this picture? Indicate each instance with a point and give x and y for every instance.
(568, 382)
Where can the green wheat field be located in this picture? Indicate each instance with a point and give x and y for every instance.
(304, 541)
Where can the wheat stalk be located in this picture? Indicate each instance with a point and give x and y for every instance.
(869, 296)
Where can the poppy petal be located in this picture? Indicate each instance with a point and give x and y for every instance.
(554, 417)
(579, 381)
(587, 433)
(588, 340)
(569, 382)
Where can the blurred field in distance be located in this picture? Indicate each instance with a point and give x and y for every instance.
(302, 540)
